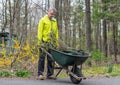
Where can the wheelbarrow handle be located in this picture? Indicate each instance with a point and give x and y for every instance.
(47, 53)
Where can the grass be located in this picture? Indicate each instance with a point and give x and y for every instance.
(22, 73)
(94, 71)
(97, 71)
(5, 74)
(104, 71)
(116, 71)
(19, 73)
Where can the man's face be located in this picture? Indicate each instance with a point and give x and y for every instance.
(51, 14)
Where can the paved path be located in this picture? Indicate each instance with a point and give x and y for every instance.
(66, 81)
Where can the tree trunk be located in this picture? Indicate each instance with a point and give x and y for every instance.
(74, 33)
(58, 6)
(26, 19)
(4, 12)
(105, 34)
(67, 21)
(105, 38)
(17, 17)
(11, 19)
(88, 25)
(115, 40)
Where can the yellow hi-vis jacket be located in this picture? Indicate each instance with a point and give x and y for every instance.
(46, 27)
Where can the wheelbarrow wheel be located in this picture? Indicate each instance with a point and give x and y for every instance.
(77, 72)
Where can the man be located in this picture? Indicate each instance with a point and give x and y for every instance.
(47, 38)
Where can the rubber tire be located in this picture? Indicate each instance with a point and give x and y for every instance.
(78, 73)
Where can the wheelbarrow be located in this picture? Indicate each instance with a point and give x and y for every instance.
(71, 61)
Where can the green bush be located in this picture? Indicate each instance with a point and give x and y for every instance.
(22, 73)
(115, 74)
(97, 55)
(5, 74)
(110, 68)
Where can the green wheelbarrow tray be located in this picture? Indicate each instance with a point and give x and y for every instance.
(69, 57)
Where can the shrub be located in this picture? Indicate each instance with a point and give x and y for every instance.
(22, 73)
(97, 56)
(5, 74)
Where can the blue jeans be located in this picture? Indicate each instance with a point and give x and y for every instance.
(41, 63)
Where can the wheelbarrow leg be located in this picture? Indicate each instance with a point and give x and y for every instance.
(60, 69)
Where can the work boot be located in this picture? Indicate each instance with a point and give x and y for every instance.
(51, 77)
(40, 77)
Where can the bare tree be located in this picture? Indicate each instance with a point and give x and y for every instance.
(11, 18)
(58, 6)
(115, 34)
(4, 13)
(88, 25)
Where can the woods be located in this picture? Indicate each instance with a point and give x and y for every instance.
(91, 25)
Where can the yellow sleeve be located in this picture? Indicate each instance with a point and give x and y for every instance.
(40, 31)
